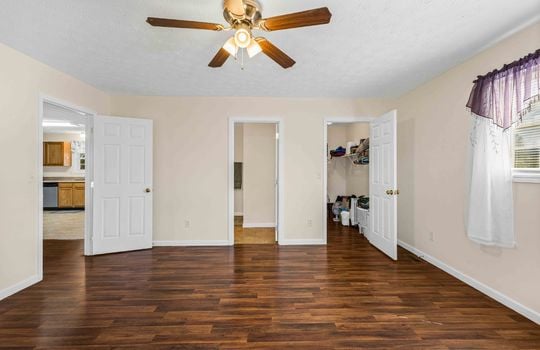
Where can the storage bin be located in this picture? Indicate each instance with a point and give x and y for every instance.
(363, 220)
(345, 218)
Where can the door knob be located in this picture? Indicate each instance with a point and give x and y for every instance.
(147, 190)
(390, 192)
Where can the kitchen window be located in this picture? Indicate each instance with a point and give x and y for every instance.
(527, 147)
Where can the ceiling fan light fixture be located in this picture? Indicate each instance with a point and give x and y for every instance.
(254, 48)
(231, 47)
(242, 38)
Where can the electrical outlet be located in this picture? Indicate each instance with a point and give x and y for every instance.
(431, 237)
(187, 224)
(310, 223)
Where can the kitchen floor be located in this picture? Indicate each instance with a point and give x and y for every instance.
(63, 224)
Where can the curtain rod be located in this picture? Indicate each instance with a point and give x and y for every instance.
(521, 61)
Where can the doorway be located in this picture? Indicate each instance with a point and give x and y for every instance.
(360, 178)
(254, 188)
(64, 168)
(348, 177)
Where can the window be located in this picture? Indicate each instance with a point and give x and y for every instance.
(527, 147)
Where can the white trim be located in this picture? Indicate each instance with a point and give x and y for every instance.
(42, 99)
(492, 293)
(258, 225)
(17, 287)
(191, 243)
(526, 175)
(281, 178)
(302, 242)
(326, 121)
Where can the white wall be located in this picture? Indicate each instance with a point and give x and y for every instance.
(23, 79)
(337, 167)
(239, 157)
(259, 175)
(357, 175)
(433, 134)
(345, 178)
(64, 171)
(192, 185)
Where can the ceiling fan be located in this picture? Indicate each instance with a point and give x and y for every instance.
(244, 16)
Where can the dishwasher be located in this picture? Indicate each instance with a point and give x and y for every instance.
(50, 195)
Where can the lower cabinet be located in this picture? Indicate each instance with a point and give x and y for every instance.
(78, 194)
(71, 195)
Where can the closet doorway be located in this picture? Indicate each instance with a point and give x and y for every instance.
(360, 179)
(254, 186)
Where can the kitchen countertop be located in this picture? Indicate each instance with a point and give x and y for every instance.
(63, 179)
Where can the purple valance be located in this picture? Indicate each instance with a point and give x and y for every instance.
(505, 95)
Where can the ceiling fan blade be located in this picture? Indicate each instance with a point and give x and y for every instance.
(235, 7)
(219, 59)
(296, 20)
(178, 23)
(275, 53)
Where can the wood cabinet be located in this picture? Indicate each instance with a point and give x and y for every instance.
(57, 153)
(71, 195)
(78, 195)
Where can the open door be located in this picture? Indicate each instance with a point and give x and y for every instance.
(122, 187)
(383, 184)
(276, 187)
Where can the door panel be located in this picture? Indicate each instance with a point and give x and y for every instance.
(383, 184)
(122, 184)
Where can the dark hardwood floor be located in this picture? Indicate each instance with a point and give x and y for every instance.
(346, 295)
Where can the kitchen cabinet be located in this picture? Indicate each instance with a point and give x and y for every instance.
(78, 195)
(57, 153)
(71, 195)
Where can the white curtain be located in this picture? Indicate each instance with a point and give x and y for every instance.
(490, 211)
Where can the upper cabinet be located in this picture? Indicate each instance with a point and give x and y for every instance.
(57, 153)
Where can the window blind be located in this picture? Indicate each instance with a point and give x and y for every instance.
(527, 140)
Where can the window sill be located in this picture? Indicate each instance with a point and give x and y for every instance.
(526, 176)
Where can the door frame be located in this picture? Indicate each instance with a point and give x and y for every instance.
(88, 174)
(278, 121)
(326, 121)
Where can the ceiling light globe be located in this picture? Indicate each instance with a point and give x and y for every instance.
(242, 38)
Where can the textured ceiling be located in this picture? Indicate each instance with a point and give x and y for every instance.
(372, 48)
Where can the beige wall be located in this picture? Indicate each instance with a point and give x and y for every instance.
(22, 81)
(259, 175)
(238, 157)
(433, 130)
(193, 185)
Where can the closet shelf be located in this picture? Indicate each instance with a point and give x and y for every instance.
(352, 157)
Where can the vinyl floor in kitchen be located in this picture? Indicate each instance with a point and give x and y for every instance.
(63, 224)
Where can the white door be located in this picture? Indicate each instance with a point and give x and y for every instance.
(383, 184)
(276, 187)
(122, 193)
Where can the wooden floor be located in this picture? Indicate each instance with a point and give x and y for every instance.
(346, 295)
(255, 235)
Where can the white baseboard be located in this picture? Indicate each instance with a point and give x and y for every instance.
(259, 225)
(194, 243)
(302, 242)
(6, 292)
(500, 297)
